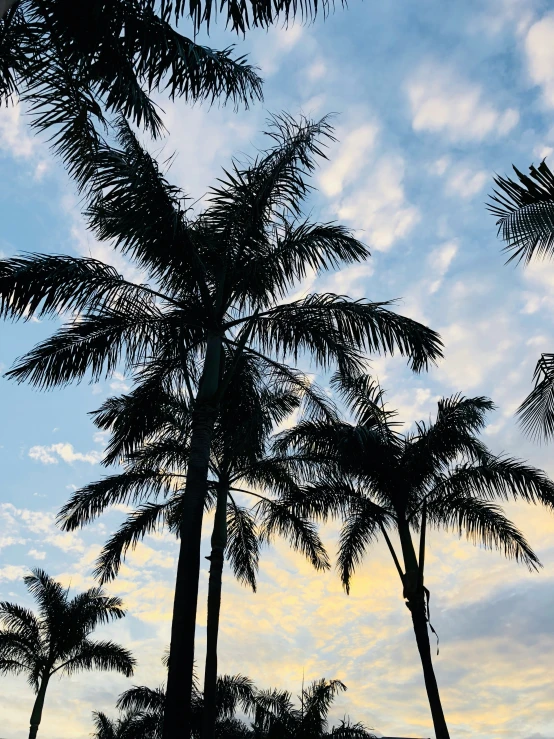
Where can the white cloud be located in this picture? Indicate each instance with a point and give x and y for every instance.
(63, 451)
(13, 572)
(442, 101)
(439, 261)
(13, 136)
(271, 47)
(352, 156)
(539, 47)
(473, 349)
(367, 189)
(119, 384)
(15, 141)
(36, 554)
(9, 541)
(466, 182)
(42, 454)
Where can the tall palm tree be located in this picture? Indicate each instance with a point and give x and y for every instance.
(152, 441)
(380, 481)
(216, 281)
(75, 65)
(525, 219)
(58, 642)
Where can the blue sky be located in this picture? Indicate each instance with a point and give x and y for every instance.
(431, 99)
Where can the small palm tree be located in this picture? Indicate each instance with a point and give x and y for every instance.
(217, 281)
(379, 481)
(525, 219)
(273, 715)
(58, 640)
(152, 440)
(142, 711)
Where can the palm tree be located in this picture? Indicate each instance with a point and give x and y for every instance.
(273, 714)
(525, 219)
(216, 281)
(58, 640)
(143, 709)
(152, 441)
(380, 481)
(276, 717)
(74, 66)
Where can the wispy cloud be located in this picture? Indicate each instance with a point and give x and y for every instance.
(443, 101)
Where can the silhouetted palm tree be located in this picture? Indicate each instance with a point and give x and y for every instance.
(75, 64)
(525, 213)
(143, 710)
(58, 642)
(379, 481)
(151, 437)
(273, 715)
(216, 281)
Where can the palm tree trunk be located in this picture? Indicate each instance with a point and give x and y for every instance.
(5, 5)
(36, 715)
(177, 714)
(414, 594)
(219, 542)
(419, 619)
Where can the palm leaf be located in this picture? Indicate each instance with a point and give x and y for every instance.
(536, 413)
(525, 213)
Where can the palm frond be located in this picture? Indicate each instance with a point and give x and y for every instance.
(243, 546)
(242, 15)
(301, 533)
(234, 691)
(271, 272)
(90, 501)
(496, 478)
(93, 607)
(141, 698)
(347, 730)
(133, 204)
(365, 399)
(317, 699)
(359, 530)
(99, 655)
(536, 413)
(22, 622)
(39, 285)
(330, 325)
(49, 595)
(93, 344)
(484, 523)
(525, 213)
(144, 520)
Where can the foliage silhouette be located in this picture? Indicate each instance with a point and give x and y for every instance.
(271, 712)
(76, 65)
(379, 481)
(156, 440)
(217, 283)
(58, 642)
(525, 219)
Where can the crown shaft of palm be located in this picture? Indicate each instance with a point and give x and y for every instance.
(377, 479)
(57, 641)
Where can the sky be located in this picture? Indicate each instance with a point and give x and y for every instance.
(431, 100)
